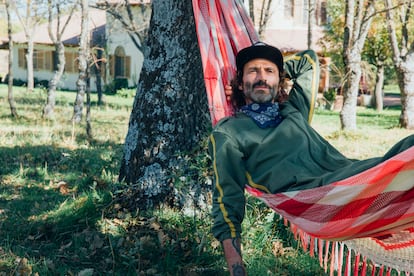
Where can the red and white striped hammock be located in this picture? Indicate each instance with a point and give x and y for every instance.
(369, 216)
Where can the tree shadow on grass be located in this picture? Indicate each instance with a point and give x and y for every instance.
(52, 197)
(56, 210)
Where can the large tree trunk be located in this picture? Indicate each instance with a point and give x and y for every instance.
(48, 110)
(170, 112)
(83, 76)
(12, 103)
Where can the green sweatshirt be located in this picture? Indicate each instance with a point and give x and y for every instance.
(291, 156)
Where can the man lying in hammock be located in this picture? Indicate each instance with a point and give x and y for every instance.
(269, 144)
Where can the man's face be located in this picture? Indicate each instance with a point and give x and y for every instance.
(260, 81)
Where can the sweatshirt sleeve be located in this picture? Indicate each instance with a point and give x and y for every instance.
(228, 208)
(303, 69)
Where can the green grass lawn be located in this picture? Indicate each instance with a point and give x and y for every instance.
(58, 208)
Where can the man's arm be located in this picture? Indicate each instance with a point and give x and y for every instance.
(232, 253)
(303, 69)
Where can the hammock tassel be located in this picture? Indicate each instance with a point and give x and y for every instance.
(320, 252)
(340, 258)
(325, 260)
(364, 267)
(312, 247)
(333, 258)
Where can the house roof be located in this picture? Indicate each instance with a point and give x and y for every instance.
(97, 21)
(293, 40)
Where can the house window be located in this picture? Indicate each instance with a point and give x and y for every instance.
(71, 62)
(120, 64)
(42, 59)
(22, 58)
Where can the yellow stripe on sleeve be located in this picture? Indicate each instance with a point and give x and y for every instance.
(254, 185)
(221, 193)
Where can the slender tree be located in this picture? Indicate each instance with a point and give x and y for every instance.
(83, 62)
(311, 21)
(403, 55)
(378, 52)
(12, 103)
(358, 18)
(55, 33)
(170, 112)
(30, 20)
(260, 15)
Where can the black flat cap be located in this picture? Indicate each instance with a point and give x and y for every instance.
(259, 50)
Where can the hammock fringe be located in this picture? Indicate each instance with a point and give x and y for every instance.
(336, 256)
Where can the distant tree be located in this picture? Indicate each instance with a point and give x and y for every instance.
(403, 55)
(30, 20)
(170, 112)
(55, 33)
(121, 11)
(378, 52)
(311, 21)
(83, 82)
(358, 18)
(13, 109)
(260, 15)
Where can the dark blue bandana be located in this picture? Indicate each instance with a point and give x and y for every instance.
(264, 115)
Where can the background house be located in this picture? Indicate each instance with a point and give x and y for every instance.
(44, 60)
(121, 59)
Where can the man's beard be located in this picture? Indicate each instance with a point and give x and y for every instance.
(260, 97)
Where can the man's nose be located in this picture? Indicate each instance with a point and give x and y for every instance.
(260, 74)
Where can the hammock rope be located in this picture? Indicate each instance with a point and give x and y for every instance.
(366, 219)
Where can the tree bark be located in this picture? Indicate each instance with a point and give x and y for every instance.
(12, 103)
(170, 112)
